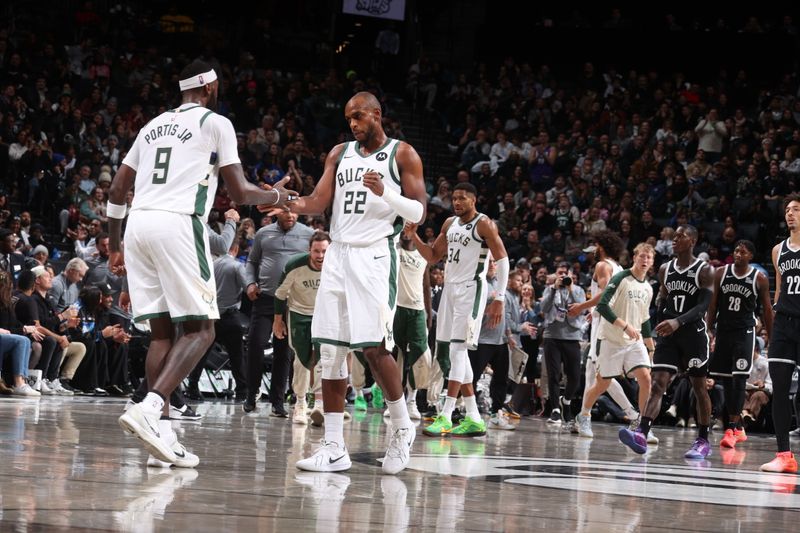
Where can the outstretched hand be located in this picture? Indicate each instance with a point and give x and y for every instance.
(285, 196)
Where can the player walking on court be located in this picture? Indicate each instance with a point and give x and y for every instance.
(685, 290)
(738, 288)
(174, 164)
(464, 242)
(372, 184)
(784, 345)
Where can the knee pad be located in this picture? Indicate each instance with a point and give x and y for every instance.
(333, 360)
(459, 363)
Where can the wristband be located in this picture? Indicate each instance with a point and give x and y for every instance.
(116, 210)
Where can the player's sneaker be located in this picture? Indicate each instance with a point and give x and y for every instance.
(499, 420)
(783, 462)
(317, 415)
(441, 426)
(469, 428)
(377, 397)
(569, 426)
(399, 452)
(360, 403)
(183, 457)
(143, 423)
(635, 440)
(740, 435)
(413, 411)
(329, 457)
(795, 432)
(184, 413)
(700, 449)
(651, 437)
(300, 416)
(510, 412)
(555, 417)
(728, 440)
(584, 424)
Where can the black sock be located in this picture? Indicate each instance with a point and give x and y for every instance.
(731, 426)
(702, 431)
(644, 425)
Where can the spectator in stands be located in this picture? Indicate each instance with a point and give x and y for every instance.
(66, 285)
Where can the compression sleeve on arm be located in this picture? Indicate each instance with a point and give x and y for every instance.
(698, 311)
(502, 277)
(407, 208)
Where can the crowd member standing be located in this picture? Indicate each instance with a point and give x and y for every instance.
(273, 245)
(174, 164)
(371, 184)
(464, 242)
(295, 298)
(784, 345)
(738, 289)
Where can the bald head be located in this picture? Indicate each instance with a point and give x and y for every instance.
(365, 100)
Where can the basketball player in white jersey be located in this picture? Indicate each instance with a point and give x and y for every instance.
(371, 184)
(174, 164)
(412, 320)
(609, 246)
(464, 242)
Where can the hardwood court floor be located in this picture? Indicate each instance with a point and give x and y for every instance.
(66, 465)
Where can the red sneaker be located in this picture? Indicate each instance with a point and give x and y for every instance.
(740, 435)
(729, 440)
(783, 462)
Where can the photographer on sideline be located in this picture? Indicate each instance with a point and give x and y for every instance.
(562, 335)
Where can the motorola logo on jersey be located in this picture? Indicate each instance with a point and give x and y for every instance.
(468, 226)
(381, 156)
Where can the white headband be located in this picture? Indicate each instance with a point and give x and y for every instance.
(198, 81)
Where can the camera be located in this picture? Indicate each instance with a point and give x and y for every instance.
(566, 281)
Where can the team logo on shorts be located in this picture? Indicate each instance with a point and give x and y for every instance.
(381, 156)
(741, 364)
(694, 362)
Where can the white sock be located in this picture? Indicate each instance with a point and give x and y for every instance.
(449, 405)
(472, 408)
(334, 428)
(398, 412)
(412, 397)
(153, 402)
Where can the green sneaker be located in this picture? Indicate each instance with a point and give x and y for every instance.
(469, 428)
(440, 427)
(360, 403)
(377, 397)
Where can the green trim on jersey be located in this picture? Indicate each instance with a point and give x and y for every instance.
(332, 342)
(179, 110)
(477, 303)
(392, 163)
(475, 231)
(604, 305)
(358, 152)
(341, 156)
(480, 269)
(392, 273)
(200, 198)
(296, 261)
(443, 357)
(198, 229)
(187, 318)
(149, 316)
(204, 117)
(366, 345)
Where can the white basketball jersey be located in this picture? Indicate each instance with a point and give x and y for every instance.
(466, 252)
(359, 217)
(410, 293)
(615, 269)
(177, 157)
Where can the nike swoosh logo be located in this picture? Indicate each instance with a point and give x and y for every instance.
(181, 455)
(701, 329)
(152, 429)
(785, 252)
(378, 256)
(331, 460)
(348, 156)
(749, 331)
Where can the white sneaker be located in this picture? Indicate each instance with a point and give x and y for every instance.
(499, 421)
(130, 403)
(673, 411)
(399, 453)
(413, 411)
(692, 423)
(45, 388)
(61, 391)
(651, 438)
(300, 417)
(317, 417)
(25, 390)
(584, 424)
(795, 432)
(387, 414)
(143, 424)
(347, 415)
(329, 457)
(184, 458)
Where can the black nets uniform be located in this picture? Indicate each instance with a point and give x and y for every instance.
(687, 348)
(784, 346)
(736, 319)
